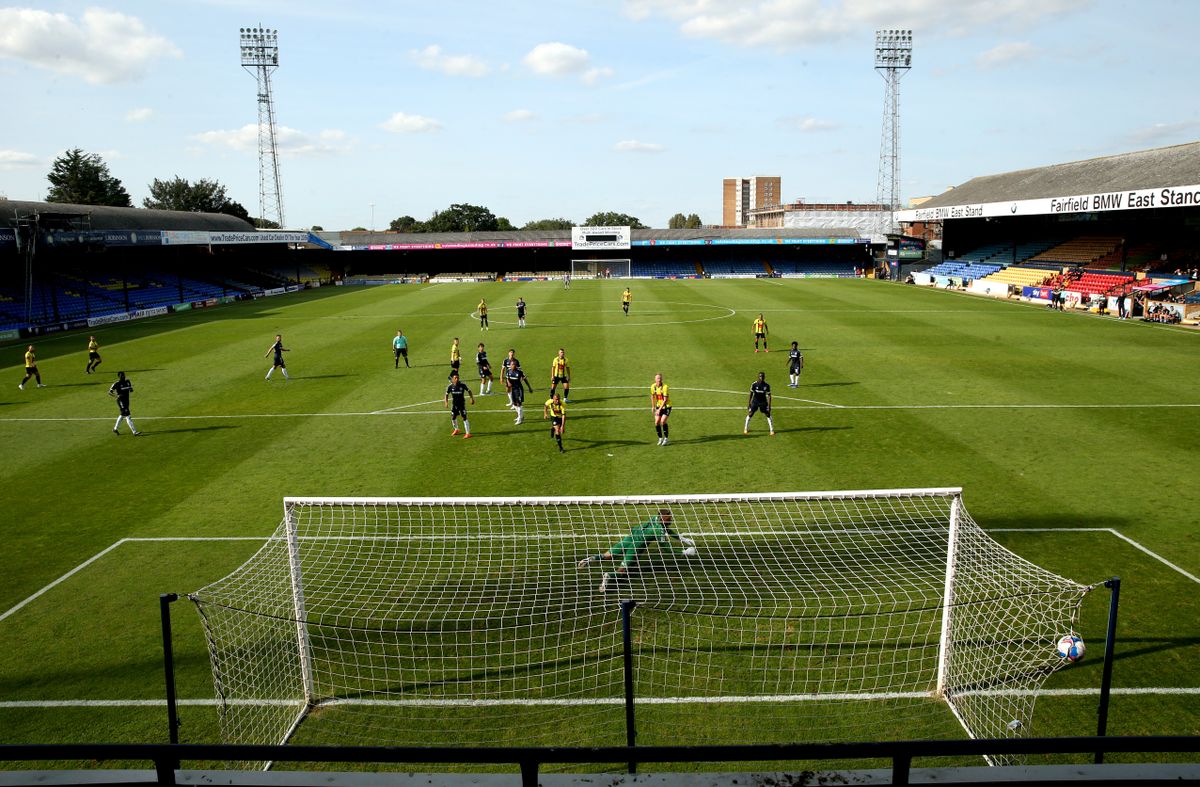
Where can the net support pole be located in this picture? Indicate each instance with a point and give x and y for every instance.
(164, 609)
(948, 596)
(627, 606)
(304, 645)
(1110, 642)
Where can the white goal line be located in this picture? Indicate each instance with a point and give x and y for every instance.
(1152, 691)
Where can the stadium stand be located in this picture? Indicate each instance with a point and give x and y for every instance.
(737, 268)
(1096, 250)
(796, 268)
(664, 270)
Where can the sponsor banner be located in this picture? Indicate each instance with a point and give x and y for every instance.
(8, 238)
(106, 237)
(156, 311)
(600, 237)
(1037, 293)
(106, 319)
(478, 244)
(784, 241)
(274, 291)
(10, 335)
(1135, 199)
(294, 287)
(182, 307)
(204, 238)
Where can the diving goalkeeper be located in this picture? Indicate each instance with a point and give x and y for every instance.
(630, 548)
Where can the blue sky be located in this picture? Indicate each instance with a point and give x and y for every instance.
(566, 108)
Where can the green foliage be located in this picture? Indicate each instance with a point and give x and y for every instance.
(406, 224)
(692, 222)
(681, 222)
(503, 223)
(83, 179)
(316, 228)
(461, 217)
(264, 224)
(611, 219)
(549, 224)
(203, 196)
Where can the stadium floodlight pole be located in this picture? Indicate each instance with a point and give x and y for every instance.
(893, 59)
(260, 57)
(1110, 642)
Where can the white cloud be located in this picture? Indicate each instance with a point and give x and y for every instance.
(13, 159)
(594, 75)
(401, 123)
(557, 59)
(519, 116)
(633, 146)
(1164, 133)
(139, 115)
(291, 142)
(1005, 54)
(786, 24)
(431, 58)
(103, 47)
(807, 124)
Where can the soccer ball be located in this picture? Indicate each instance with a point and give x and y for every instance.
(1071, 647)
(690, 552)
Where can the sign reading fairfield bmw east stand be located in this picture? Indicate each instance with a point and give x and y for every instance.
(1136, 199)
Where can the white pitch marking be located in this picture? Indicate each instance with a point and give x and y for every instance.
(1119, 535)
(705, 700)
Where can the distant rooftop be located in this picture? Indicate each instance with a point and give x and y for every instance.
(103, 217)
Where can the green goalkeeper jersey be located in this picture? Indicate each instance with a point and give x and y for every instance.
(628, 548)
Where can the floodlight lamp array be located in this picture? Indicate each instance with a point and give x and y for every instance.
(259, 46)
(893, 49)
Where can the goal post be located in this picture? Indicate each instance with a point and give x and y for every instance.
(808, 616)
(599, 269)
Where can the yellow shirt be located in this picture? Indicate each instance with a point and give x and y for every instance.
(482, 308)
(93, 346)
(454, 354)
(760, 326)
(30, 360)
(660, 395)
(626, 296)
(558, 367)
(556, 408)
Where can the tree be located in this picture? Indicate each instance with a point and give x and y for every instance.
(549, 224)
(358, 229)
(611, 219)
(504, 224)
(316, 228)
(692, 222)
(264, 224)
(84, 179)
(406, 224)
(236, 209)
(462, 217)
(677, 222)
(203, 196)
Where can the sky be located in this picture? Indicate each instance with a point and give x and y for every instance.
(567, 108)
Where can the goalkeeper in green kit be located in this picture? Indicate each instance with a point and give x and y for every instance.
(630, 548)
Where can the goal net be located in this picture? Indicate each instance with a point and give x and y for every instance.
(800, 617)
(600, 269)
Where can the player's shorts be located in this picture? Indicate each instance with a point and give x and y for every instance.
(484, 371)
(520, 314)
(456, 410)
(454, 365)
(93, 356)
(664, 411)
(555, 420)
(518, 394)
(399, 351)
(31, 370)
(794, 368)
(123, 407)
(760, 335)
(756, 406)
(279, 362)
(557, 380)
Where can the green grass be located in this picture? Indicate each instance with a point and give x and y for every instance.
(1046, 420)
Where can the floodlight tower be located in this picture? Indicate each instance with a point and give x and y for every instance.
(260, 56)
(893, 58)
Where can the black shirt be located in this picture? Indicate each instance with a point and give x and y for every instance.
(458, 392)
(759, 391)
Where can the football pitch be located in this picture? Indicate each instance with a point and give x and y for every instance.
(1073, 437)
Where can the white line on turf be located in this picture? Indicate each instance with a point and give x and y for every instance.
(1151, 691)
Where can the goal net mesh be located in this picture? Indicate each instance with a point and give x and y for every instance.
(599, 269)
(802, 617)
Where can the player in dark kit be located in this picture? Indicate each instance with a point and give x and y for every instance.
(516, 382)
(554, 410)
(120, 390)
(520, 312)
(279, 350)
(795, 365)
(457, 393)
(509, 361)
(760, 399)
(485, 371)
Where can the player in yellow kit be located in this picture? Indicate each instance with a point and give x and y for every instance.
(760, 332)
(626, 297)
(93, 354)
(560, 372)
(554, 410)
(660, 406)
